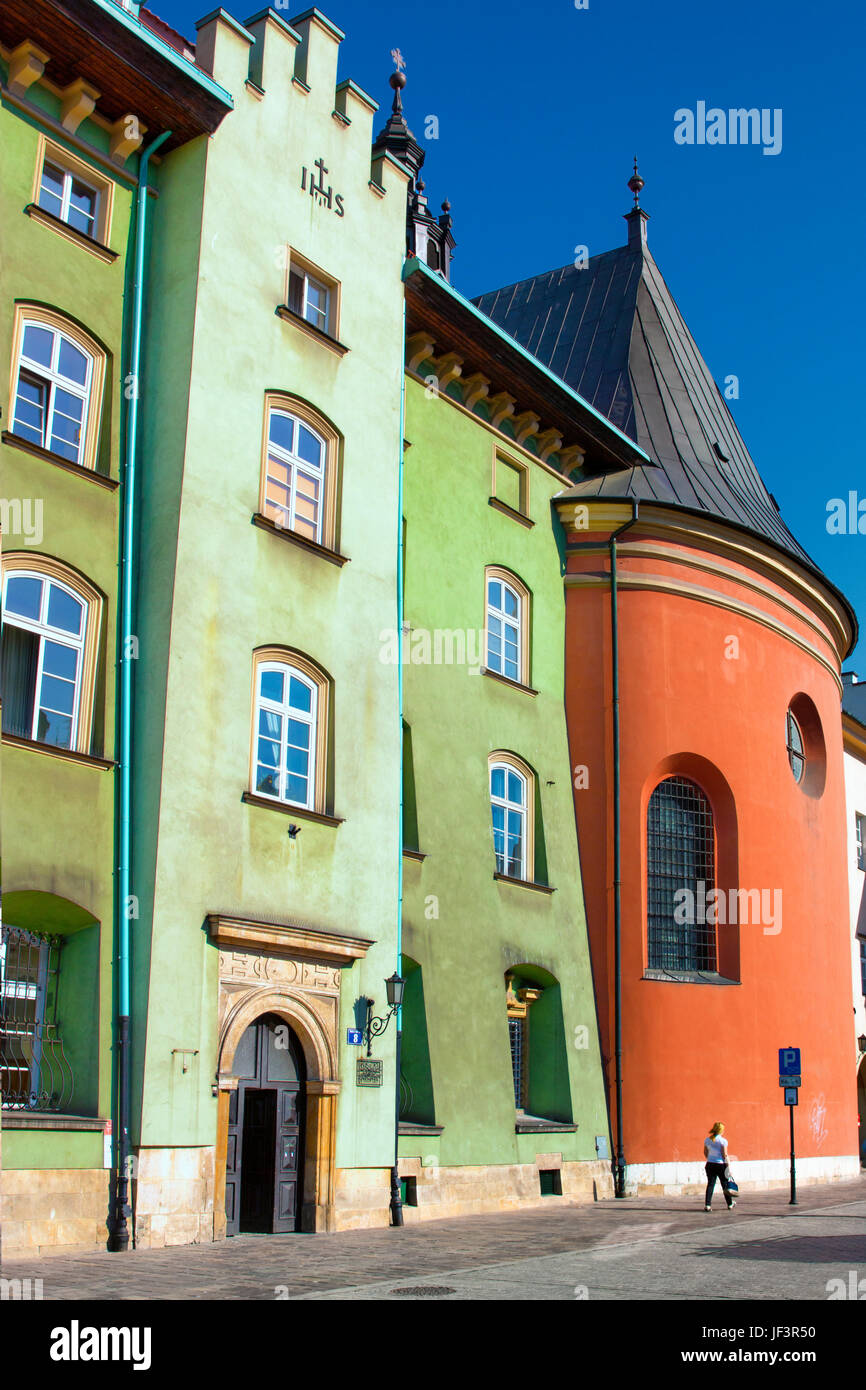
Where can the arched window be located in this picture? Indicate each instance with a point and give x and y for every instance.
(290, 720)
(680, 876)
(512, 810)
(507, 625)
(51, 622)
(298, 487)
(58, 374)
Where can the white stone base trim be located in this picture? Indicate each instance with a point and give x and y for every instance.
(751, 1175)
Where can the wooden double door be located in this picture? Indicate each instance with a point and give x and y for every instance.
(264, 1158)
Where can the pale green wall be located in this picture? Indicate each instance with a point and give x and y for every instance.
(484, 927)
(235, 587)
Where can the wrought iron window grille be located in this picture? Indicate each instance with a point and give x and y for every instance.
(35, 1073)
(680, 873)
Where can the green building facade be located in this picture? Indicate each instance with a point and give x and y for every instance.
(503, 1102)
(291, 375)
(267, 749)
(69, 150)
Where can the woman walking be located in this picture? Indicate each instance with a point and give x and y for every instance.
(716, 1155)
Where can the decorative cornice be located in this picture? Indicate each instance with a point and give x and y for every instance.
(286, 938)
(700, 531)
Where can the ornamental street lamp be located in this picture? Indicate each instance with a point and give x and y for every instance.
(375, 1026)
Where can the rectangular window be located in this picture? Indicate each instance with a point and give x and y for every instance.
(34, 1073)
(68, 198)
(72, 191)
(863, 966)
(312, 295)
(517, 1037)
(511, 483)
(860, 823)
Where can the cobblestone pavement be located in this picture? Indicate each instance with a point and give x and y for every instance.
(638, 1248)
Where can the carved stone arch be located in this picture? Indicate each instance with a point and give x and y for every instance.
(294, 972)
(318, 1047)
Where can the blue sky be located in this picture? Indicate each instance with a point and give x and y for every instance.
(541, 108)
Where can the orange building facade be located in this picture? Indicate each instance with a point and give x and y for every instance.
(718, 636)
(706, 746)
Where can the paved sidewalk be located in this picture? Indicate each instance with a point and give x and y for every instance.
(638, 1248)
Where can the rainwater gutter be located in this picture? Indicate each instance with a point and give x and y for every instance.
(619, 1179)
(119, 1235)
(396, 1201)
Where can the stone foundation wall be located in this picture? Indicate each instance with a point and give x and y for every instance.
(172, 1197)
(361, 1198)
(471, 1191)
(363, 1195)
(54, 1211)
(753, 1175)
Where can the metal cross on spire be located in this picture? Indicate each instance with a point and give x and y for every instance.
(398, 60)
(636, 183)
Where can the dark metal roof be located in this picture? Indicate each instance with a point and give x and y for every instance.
(854, 699)
(613, 332)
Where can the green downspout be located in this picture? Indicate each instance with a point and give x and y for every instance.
(119, 1233)
(396, 1202)
(619, 1186)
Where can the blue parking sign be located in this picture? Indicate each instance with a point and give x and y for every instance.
(789, 1061)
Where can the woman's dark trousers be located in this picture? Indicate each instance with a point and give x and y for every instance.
(716, 1170)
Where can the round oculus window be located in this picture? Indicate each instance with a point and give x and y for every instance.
(795, 746)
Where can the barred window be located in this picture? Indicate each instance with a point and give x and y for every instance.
(517, 1037)
(680, 875)
(34, 1072)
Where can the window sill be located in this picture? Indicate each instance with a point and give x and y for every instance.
(287, 534)
(512, 512)
(289, 316)
(56, 224)
(15, 441)
(414, 854)
(525, 883)
(689, 977)
(410, 1127)
(69, 754)
(533, 1124)
(506, 680)
(270, 804)
(48, 1119)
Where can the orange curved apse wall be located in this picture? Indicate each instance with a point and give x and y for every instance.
(698, 704)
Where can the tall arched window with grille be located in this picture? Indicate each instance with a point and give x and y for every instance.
(680, 876)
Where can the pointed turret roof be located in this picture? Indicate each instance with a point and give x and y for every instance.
(612, 331)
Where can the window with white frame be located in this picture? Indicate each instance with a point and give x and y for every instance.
(295, 474)
(310, 298)
(54, 390)
(504, 639)
(860, 824)
(287, 725)
(69, 198)
(43, 656)
(509, 807)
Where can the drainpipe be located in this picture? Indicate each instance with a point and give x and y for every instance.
(119, 1232)
(619, 1185)
(396, 1201)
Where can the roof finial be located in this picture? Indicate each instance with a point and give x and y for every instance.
(636, 183)
(397, 78)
